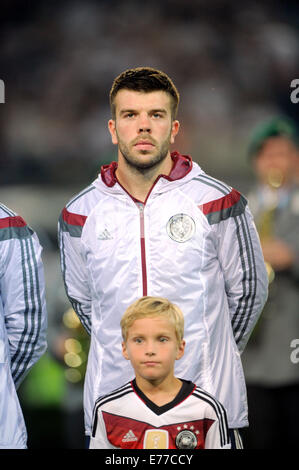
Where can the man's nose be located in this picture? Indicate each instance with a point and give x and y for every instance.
(144, 124)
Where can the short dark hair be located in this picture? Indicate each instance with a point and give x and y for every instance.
(145, 79)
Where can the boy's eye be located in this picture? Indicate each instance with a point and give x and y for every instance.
(163, 339)
(138, 340)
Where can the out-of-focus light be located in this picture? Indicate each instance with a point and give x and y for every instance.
(270, 271)
(73, 375)
(275, 178)
(72, 360)
(73, 346)
(70, 319)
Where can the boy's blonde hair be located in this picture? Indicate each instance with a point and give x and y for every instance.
(148, 307)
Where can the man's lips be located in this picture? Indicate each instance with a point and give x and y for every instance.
(144, 144)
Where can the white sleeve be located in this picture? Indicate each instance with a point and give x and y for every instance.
(246, 281)
(213, 438)
(99, 439)
(22, 289)
(73, 266)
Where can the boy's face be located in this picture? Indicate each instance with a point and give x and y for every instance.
(152, 347)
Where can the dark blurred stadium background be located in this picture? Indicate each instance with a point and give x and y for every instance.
(233, 63)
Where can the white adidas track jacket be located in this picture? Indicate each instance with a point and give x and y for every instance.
(192, 241)
(23, 320)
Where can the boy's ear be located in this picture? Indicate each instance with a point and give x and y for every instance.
(181, 349)
(124, 350)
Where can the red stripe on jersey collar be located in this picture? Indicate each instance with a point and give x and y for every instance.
(182, 165)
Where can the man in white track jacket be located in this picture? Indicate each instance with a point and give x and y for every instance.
(154, 223)
(23, 320)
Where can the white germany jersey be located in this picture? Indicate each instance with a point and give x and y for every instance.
(127, 419)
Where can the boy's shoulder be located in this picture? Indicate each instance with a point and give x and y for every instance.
(114, 394)
(114, 402)
(202, 394)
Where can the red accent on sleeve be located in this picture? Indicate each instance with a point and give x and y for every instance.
(16, 221)
(73, 219)
(224, 202)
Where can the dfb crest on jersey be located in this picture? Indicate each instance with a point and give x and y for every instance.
(180, 227)
(186, 439)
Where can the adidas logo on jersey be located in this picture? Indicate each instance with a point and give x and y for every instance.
(129, 437)
(105, 235)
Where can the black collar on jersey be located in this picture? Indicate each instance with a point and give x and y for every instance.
(185, 390)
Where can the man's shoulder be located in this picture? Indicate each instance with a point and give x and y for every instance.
(78, 208)
(12, 225)
(83, 201)
(216, 199)
(208, 188)
(5, 212)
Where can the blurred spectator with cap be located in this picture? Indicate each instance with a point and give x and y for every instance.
(272, 377)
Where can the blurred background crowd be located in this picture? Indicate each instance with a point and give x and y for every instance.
(233, 64)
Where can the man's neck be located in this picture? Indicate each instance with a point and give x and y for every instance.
(139, 183)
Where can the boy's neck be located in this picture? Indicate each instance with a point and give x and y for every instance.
(160, 392)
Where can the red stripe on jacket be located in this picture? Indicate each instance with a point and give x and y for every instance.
(224, 202)
(73, 219)
(15, 221)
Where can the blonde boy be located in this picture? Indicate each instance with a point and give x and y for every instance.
(157, 410)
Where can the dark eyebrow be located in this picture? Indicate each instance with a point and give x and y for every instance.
(124, 111)
(152, 111)
(164, 111)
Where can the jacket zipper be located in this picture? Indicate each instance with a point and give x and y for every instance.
(142, 247)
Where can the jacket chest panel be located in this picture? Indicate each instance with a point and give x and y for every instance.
(143, 242)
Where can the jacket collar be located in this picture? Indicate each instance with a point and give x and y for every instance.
(182, 165)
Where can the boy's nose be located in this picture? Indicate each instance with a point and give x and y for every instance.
(150, 349)
(150, 353)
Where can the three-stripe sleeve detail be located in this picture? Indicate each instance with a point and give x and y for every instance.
(72, 224)
(219, 411)
(214, 183)
(246, 302)
(32, 313)
(120, 392)
(233, 205)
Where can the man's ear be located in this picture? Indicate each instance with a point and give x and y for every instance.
(112, 130)
(174, 131)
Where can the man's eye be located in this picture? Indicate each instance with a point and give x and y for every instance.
(163, 339)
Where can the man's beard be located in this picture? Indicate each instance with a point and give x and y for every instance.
(136, 162)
